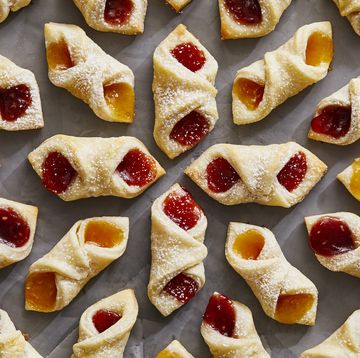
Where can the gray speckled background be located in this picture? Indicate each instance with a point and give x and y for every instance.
(21, 40)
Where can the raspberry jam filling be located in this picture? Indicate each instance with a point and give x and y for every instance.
(319, 49)
(190, 56)
(41, 291)
(331, 236)
(57, 173)
(333, 121)
(249, 92)
(104, 319)
(221, 176)
(58, 56)
(220, 314)
(291, 309)
(137, 168)
(14, 230)
(182, 287)
(249, 244)
(14, 102)
(355, 179)
(246, 12)
(182, 209)
(120, 98)
(103, 234)
(118, 12)
(293, 173)
(190, 129)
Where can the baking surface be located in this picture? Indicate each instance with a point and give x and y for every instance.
(21, 40)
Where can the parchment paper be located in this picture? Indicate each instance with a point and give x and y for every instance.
(21, 40)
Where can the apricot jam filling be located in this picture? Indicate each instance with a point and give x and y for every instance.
(246, 12)
(355, 179)
(104, 319)
(103, 234)
(249, 92)
(167, 354)
(41, 291)
(190, 56)
(249, 244)
(182, 287)
(58, 56)
(120, 98)
(319, 49)
(118, 12)
(292, 308)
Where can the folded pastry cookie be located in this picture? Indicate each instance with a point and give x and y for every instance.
(284, 293)
(79, 65)
(11, 5)
(12, 342)
(350, 9)
(184, 92)
(343, 343)
(88, 248)
(350, 177)
(229, 331)
(276, 175)
(122, 16)
(76, 168)
(178, 227)
(251, 18)
(105, 326)
(174, 350)
(335, 240)
(300, 62)
(337, 117)
(17, 230)
(178, 5)
(20, 104)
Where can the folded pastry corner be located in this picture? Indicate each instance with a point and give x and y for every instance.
(343, 342)
(251, 18)
(17, 230)
(285, 294)
(335, 239)
(350, 178)
(184, 92)
(350, 9)
(11, 5)
(125, 17)
(229, 331)
(20, 103)
(178, 226)
(174, 350)
(79, 65)
(300, 62)
(86, 249)
(105, 326)
(275, 175)
(178, 5)
(75, 168)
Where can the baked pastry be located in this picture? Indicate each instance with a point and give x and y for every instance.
(184, 92)
(335, 240)
(251, 18)
(337, 117)
(17, 230)
(75, 168)
(86, 249)
(276, 175)
(178, 227)
(11, 5)
(284, 293)
(300, 62)
(20, 104)
(79, 65)
(105, 326)
(178, 5)
(12, 342)
(343, 343)
(174, 350)
(350, 9)
(229, 331)
(350, 177)
(125, 17)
